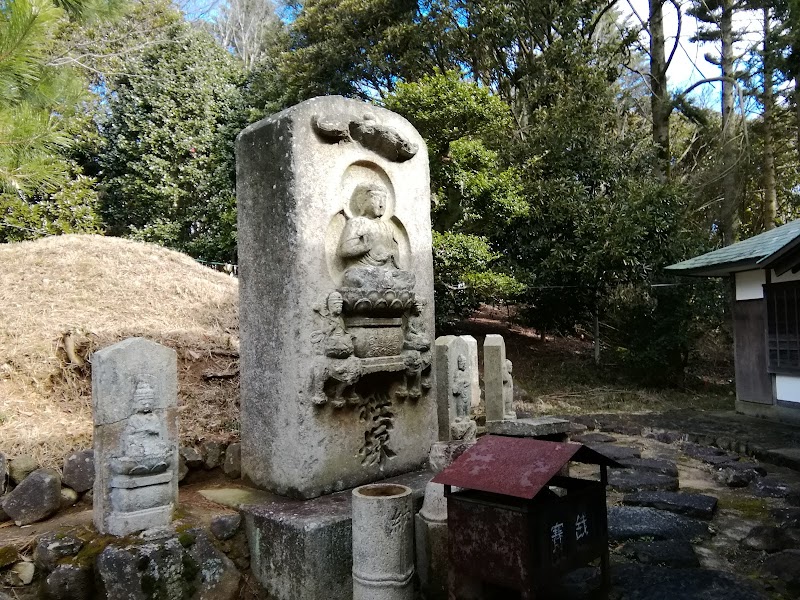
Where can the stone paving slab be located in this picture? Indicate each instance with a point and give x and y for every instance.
(656, 465)
(692, 505)
(769, 441)
(625, 480)
(637, 582)
(635, 522)
(594, 438)
(615, 452)
(669, 553)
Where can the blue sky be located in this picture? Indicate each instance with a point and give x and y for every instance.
(689, 64)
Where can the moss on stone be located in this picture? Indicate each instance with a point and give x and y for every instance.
(190, 572)
(750, 508)
(186, 538)
(8, 555)
(90, 551)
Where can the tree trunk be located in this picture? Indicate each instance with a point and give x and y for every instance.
(768, 101)
(659, 95)
(729, 216)
(596, 337)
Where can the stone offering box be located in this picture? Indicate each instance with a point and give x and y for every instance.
(517, 522)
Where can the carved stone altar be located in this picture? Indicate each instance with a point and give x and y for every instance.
(336, 289)
(134, 397)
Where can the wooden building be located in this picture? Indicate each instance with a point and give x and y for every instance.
(765, 270)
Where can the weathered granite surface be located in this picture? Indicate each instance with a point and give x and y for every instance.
(383, 542)
(495, 374)
(454, 389)
(302, 549)
(134, 399)
(36, 498)
(472, 361)
(78, 471)
(531, 427)
(336, 297)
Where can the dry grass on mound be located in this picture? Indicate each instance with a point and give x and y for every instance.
(64, 297)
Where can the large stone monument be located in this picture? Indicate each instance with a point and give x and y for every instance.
(134, 403)
(336, 292)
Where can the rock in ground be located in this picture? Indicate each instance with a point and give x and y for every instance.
(69, 582)
(217, 576)
(3, 473)
(213, 454)
(36, 498)
(142, 572)
(771, 539)
(21, 574)
(193, 458)
(53, 546)
(785, 566)
(233, 461)
(8, 556)
(20, 467)
(224, 527)
(78, 472)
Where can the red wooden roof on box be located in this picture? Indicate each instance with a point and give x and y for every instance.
(515, 466)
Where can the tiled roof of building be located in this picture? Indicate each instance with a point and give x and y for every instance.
(754, 252)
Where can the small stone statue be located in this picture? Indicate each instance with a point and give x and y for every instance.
(143, 450)
(416, 355)
(368, 244)
(461, 427)
(337, 373)
(134, 407)
(508, 392)
(461, 389)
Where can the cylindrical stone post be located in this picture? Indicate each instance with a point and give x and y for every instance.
(383, 547)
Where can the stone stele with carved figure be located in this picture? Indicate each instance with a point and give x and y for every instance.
(336, 290)
(134, 398)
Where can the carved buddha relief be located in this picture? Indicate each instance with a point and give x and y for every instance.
(373, 347)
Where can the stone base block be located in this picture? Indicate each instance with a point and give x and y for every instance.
(302, 549)
(123, 524)
(538, 427)
(432, 557)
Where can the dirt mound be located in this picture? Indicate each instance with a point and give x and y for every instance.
(61, 298)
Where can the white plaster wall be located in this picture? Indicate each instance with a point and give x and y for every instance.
(748, 284)
(788, 276)
(787, 388)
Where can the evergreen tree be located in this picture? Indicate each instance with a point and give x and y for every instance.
(41, 190)
(167, 164)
